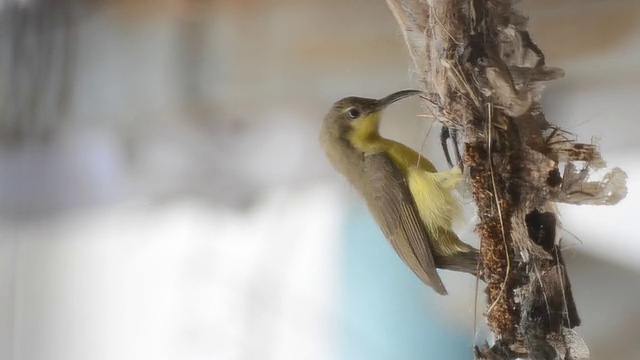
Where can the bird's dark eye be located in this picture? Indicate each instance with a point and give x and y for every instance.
(353, 113)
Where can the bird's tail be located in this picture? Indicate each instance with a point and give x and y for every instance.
(462, 261)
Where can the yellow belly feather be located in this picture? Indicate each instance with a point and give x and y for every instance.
(432, 192)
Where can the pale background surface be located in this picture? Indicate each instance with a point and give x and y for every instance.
(177, 205)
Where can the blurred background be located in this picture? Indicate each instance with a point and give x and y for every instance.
(163, 194)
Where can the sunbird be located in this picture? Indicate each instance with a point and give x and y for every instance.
(411, 202)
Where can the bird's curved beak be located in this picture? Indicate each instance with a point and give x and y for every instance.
(390, 99)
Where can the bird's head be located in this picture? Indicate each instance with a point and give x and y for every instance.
(356, 115)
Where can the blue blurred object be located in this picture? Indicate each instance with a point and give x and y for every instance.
(386, 310)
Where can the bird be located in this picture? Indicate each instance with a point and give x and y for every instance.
(412, 203)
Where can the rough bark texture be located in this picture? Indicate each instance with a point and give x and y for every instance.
(482, 74)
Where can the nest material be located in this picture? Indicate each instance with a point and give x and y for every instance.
(482, 74)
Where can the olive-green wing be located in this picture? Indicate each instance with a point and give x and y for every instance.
(393, 208)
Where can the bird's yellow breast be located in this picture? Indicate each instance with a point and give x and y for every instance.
(433, 195)
(431, 190)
